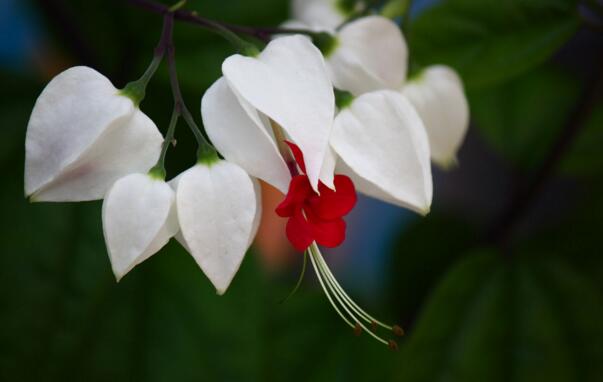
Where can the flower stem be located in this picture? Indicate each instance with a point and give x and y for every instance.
(136, 90)
(205, 151)
(159, 169)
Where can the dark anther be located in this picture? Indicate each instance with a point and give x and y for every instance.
(357, 330)
(398, 331)
(393, 345)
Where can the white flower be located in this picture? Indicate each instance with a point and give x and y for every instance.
(382, 145)
(218, 207)
(324, 13)
(82, 136)
(139, 218)
(369, 54)
(437, 94)
(287, 84)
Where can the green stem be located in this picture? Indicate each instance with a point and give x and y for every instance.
(206, 153)
(136, 90)
(244, 47)
(159, 169)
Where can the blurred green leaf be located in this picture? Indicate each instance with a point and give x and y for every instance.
(419, 260)
(577, 236)
(584, 157)
(522, 117)
(496, 319)
(395, 8)
(489, 41)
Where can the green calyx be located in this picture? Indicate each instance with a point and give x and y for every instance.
(416, 76)
(135, 90)
(207, 155)
(325, 42)
(248, 49)
(157, 172)
(343, 99)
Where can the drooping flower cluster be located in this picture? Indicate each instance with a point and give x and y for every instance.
(317, 124)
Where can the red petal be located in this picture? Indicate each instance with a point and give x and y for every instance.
(299, 232)
(330, 233)
(331, 204)
(298, 155)
(299, 191)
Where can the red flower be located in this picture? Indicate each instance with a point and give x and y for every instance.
(313, 216)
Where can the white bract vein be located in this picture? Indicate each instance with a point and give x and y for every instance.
(82, 136)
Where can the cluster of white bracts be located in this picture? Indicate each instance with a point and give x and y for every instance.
(86, 140)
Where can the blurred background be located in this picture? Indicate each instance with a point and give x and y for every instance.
(503, 281)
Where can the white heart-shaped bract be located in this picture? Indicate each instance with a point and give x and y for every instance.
(319, 13)
(239, 138)
(82, 136)
(383, 147)
(438, 95)
(139, 218)
(371, 54)
(288, 82)
(133, 146)
(217, 212)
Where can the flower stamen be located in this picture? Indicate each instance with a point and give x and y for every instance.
(318, 275)
(368, 318)
(357, 315)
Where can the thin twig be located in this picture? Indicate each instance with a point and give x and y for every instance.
(261, 33)
(166, 46)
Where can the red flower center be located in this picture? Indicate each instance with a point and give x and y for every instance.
(313, 216)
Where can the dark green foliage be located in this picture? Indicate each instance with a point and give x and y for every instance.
(497, 319)
(489, 41)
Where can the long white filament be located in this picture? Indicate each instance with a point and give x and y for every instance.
(362, 313)
(318, 275)
(325, 276)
